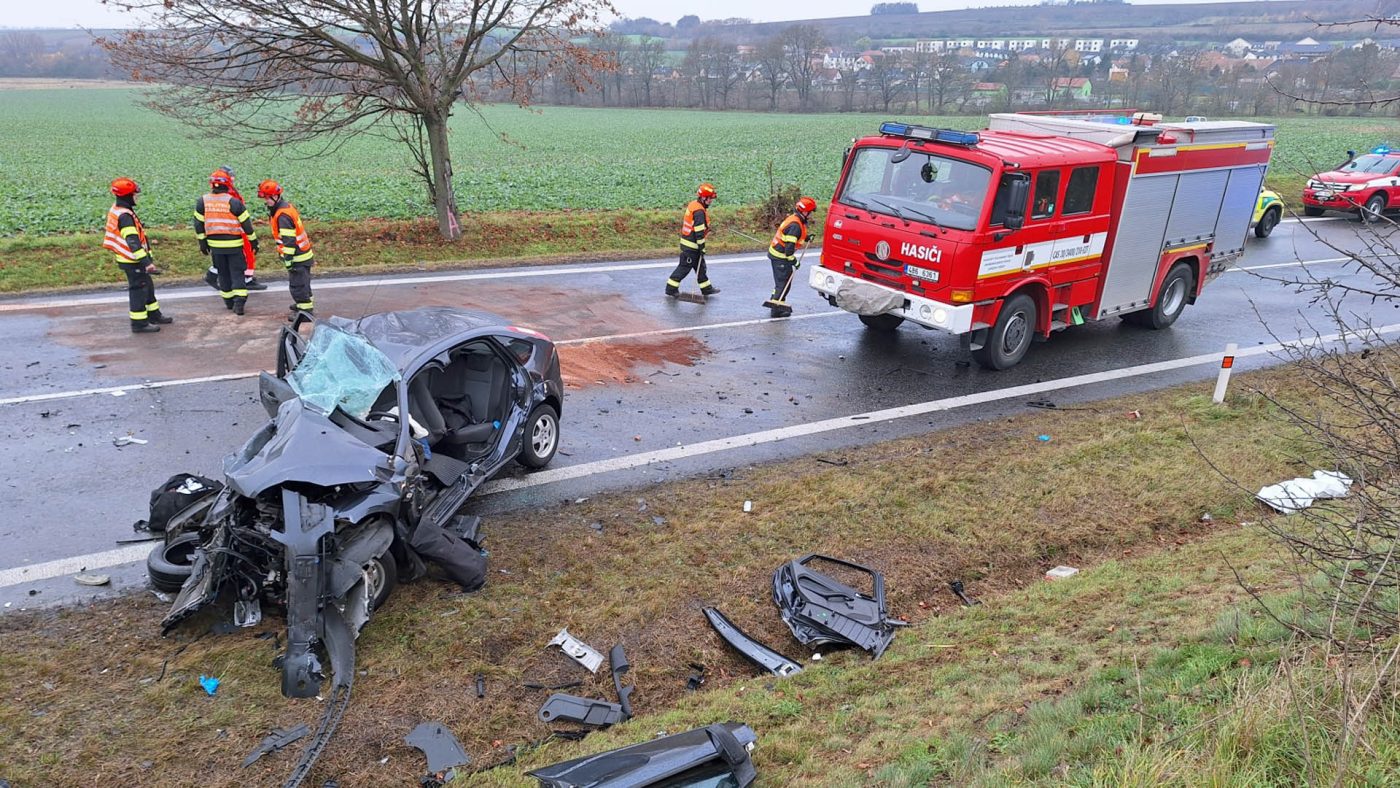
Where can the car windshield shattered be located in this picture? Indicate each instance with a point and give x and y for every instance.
(916, 186)
(341, 370)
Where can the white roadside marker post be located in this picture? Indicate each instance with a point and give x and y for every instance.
(1226, 364)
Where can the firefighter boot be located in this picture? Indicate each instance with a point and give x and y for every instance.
(252, 283)
(143, 327)
(709, 290)
(157, 317)
(238, 303)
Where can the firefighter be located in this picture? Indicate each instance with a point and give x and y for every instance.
(695, 228)
(250, 259)
(292, 243)
(782, 254)
(221, 222)
(126, 239)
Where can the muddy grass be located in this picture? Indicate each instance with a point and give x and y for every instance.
(94, 691)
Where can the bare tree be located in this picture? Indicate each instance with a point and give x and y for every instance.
(1054, 65)
(324, 70)
(644, 59)
(945, 76)
(887, 76)
(800, 45)
(772, 64)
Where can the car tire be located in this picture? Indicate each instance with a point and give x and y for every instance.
(1171, 300)
(383, 578)
(1374, 208)
(1011, 337)
(1268, 222)
(541, 438)
(169, 565)
(885, 322)
(1309, 210)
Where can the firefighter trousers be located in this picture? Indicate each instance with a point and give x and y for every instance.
(691, 260)
(783, 272)
(229, 263)
(299, 282)
(140, 293)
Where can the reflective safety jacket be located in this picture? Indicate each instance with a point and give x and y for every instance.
(125, 237)
(292, 240)
(222, 220)
(790, 237)
(695, 226)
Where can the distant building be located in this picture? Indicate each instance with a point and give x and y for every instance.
(1088, 45)
(1077, 88)
(1237, 48)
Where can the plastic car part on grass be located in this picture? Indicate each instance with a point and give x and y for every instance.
(759, 654)
(561, 707)
(442, 749)
(820, 610)
(580, 652)
(715, 755)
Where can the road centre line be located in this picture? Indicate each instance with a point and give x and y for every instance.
(131, 554)
(388, 281)
(642, 459)
(160, 384)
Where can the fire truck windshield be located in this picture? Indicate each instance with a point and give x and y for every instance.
(946, 192)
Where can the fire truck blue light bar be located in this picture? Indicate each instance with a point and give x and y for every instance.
(924, 133)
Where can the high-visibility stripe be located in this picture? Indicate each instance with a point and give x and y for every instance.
(137, 315)
(218, 217)
(224, 243)
(304, 305)
(689, 244)
(154, 306)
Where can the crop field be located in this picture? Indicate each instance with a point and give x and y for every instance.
(59, 148)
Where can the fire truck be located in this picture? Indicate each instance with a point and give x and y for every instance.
(1039, 223)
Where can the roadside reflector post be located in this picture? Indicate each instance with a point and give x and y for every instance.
(1226, 364)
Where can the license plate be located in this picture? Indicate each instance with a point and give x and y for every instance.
(1323, 194)
(922, 273)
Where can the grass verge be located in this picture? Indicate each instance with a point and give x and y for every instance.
(94, 690)
(59, 262)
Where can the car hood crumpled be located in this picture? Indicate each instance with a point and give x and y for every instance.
(301, 445)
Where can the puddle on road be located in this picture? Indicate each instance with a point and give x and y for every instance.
(207, 339)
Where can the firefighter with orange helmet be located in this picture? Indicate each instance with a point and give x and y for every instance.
(221, 222)
(292, 243)
(790, 236)
(125, 238)
(695, 228)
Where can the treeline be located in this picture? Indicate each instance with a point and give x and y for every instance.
(63, 55)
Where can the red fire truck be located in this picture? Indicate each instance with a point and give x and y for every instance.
(1039, 223)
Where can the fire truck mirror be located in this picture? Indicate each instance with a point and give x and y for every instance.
(901, 154)
(928, 172)
(1018, 192)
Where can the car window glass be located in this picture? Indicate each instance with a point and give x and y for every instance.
(1047, 190)
(1079, 194)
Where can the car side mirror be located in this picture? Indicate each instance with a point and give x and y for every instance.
(1018, 193)
(901, 154)
(845, 156)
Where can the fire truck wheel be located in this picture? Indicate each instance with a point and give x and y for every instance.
(1171, 300)
(1309, 210)
(881, 322)
(1011, 337)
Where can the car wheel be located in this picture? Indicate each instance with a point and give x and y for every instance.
(1373, 209)
(1011, 337)
(1268, 222)
(541, 437)
(1309, 210)
(885, 322)
(169, 564)
(382, 577)
(1171, 300)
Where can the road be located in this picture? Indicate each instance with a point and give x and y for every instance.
(657, 389)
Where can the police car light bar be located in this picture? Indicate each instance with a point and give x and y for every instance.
(935, 135)
(1381, 149)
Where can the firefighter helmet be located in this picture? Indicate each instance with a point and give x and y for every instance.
(125, 187)
(706, 190)
(806, 205)
(220, 178)
(269, 189)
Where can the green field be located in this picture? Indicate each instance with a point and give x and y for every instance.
(59, 149)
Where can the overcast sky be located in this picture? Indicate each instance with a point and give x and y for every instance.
(92, 13)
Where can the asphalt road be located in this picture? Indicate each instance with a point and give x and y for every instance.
(657, 389)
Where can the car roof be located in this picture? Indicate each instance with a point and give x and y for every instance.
(405, 335)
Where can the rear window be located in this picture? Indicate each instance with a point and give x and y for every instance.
(1079, 195)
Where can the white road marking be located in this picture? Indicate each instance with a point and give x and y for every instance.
(131, 554)
(642, 459)
(386, 281)
(686, 329)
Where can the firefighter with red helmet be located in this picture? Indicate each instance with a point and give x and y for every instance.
(695, 228)
(292, 243)
(125, 238)
(221, 222)
(250, 259)
(790, 236)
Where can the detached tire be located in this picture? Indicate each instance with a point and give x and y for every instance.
(1268, 222)
(886, 322)
(541, 437)
(169, 565)
(1011, 337)
(1171, 300)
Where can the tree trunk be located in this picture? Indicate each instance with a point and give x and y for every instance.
(444, 198)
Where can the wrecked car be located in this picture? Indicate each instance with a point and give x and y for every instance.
(380, 429)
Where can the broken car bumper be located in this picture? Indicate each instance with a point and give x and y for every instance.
(835, 285)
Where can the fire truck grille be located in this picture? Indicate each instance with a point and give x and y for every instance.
(888, 272)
